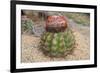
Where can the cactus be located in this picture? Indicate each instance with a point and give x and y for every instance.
(57, 44)
(26, 24)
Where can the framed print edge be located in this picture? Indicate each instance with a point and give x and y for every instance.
(13, 36)
(95, 36)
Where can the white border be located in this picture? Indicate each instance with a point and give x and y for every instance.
(51, 64)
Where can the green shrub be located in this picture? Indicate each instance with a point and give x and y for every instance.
(26, 25)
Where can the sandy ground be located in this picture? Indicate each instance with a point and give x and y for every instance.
(31, 52)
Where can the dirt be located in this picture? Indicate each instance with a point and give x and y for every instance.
(31, 52)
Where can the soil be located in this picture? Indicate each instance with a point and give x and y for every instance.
(31, 53)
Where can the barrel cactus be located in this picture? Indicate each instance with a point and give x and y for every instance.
(58, 43)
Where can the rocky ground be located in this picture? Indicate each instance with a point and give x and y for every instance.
(31, 52)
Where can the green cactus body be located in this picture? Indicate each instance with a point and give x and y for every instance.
(57, 44)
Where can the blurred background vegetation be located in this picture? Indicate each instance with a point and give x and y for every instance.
(39, 17)
(79, 18)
